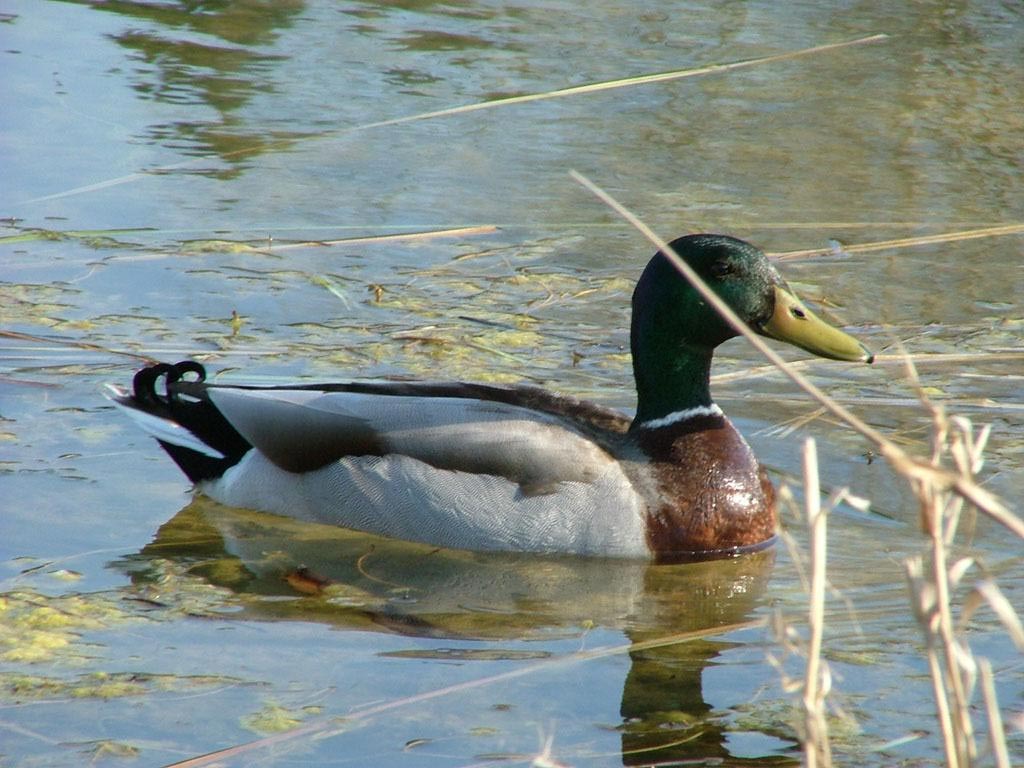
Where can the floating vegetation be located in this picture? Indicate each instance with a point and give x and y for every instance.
(276, 718)
(105, 748)
(35, 627)
(93, 238)
(220, 246)
(22, 688)
(36, 303)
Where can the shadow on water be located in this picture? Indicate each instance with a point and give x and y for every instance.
(277, 569)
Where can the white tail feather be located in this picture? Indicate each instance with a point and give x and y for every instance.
(162, 429)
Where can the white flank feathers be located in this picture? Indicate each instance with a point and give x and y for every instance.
(404, 498)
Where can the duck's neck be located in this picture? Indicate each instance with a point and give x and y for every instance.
(670, 382)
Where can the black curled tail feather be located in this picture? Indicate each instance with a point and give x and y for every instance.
(145, 382)
(178, 393)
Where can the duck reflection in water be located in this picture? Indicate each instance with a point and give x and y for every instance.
(354, 581)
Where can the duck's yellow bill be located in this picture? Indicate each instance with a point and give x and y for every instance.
(794, 323)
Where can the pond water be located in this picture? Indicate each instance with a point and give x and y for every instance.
(176, 178)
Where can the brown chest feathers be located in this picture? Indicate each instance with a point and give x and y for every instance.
(715, 499)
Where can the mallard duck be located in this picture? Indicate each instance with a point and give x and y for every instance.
(492, 468)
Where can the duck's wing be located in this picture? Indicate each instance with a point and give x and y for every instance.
(457, 465)
(527, 435)
(302, 430)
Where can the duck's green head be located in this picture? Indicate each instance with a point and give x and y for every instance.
(675, 331)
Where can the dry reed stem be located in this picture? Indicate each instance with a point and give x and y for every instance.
(986, 592)
(481, 229)
(330, 726)
(467, 108)
(629, 81)
(997, 736)
(817, 748)
(913, 469)
(941, 493)
(75, 344)
(908, 242)
(956, 658)
(924, 607)
(816, 683)
(940, 514)
(953, 668)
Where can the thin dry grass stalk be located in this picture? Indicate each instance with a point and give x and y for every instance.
(73, 343)
(913, 469)
(333, 726)
(629, 81)
(909, 242)
(933, 579)
(404, 237)
(813, 685)
(997, 736)
(466, 108)
(817, 680)
(942, 492)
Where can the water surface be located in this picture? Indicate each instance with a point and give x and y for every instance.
(157, 157)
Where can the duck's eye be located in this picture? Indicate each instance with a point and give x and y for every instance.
(720, 269)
